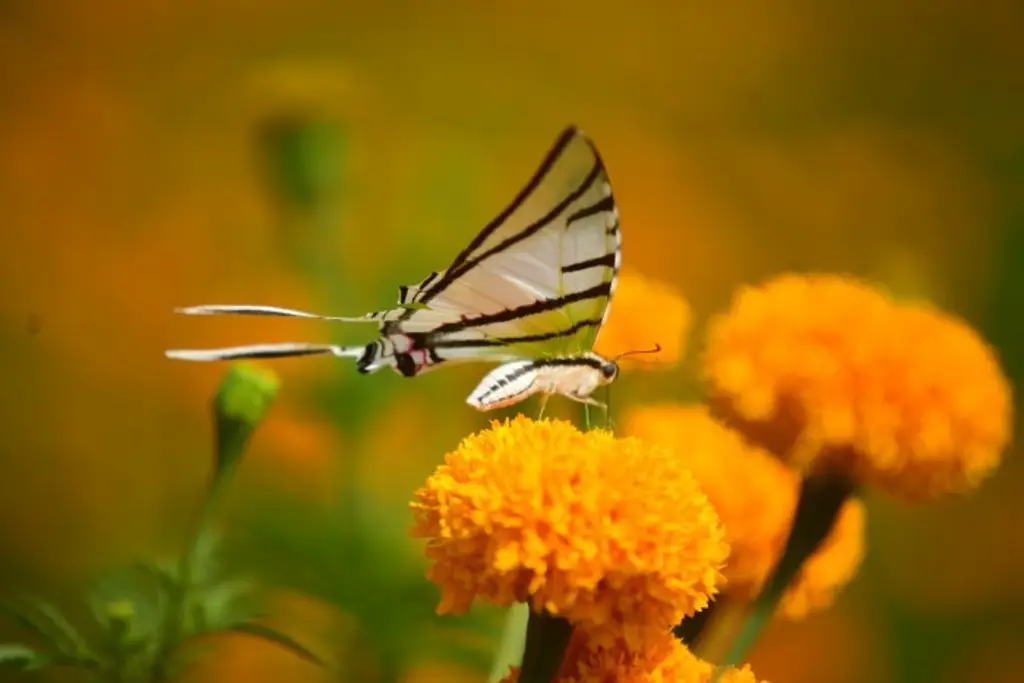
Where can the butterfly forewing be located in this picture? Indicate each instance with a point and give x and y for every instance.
(536, 281)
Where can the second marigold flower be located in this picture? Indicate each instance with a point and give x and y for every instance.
(599, 530)
(832, 374)
(755, 496)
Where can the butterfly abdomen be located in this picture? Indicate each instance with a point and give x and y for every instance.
(505, 385)
(573, 376)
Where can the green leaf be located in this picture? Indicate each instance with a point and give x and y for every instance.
(513, 642)
(276, 637)
(227, 602)
(206, 556)
(129, 604)
(21, 656)
(48, 623)
(164, 574)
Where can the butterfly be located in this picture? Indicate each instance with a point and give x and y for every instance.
(530, 291)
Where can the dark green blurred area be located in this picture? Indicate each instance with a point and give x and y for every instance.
(317, 155)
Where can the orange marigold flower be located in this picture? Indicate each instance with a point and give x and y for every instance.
(832, 374)
(755, 497)
(645, 312)
(599, 530)
(662, 660)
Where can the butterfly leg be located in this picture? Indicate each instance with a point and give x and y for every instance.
(604, 409)
(588, 401)
(543, 404)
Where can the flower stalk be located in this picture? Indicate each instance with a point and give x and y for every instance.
(241, 402)
(547, 638)
(821, 498)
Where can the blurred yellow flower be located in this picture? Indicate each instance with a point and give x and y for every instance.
(643, 313)
(755, 497)
(599, 530)
(661, 660)
(832, 374)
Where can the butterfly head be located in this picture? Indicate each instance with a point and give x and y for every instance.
(609, 371)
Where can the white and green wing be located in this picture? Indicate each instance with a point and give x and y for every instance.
(535, 282)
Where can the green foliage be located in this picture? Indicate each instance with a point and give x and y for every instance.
(130, 608)
(148, 616)
(22, 657)
(368, 570)
(61, 643)
(304, 158)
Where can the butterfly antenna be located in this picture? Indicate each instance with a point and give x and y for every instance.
(636, 352)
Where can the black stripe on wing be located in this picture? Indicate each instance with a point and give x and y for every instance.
(556, 150)
(605, 204)
(429, 342)
(606, 261)
(542, 306)
(455, 273)
(408, 293)
(466, 261)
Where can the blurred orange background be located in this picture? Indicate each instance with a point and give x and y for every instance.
(318, 154)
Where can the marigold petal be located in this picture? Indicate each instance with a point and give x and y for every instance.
(755, 497)
(597, 529)
(662, 660)
(830, 373)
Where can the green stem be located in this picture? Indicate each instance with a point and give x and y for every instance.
(547, 638)
(240, 404)
(180, 597)
(821, 498)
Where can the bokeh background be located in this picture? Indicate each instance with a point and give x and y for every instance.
(318, 154)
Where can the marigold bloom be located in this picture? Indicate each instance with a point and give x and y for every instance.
(662, 660)
(832, 374)
(755, 497)
(645, 312)
(599, 530)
